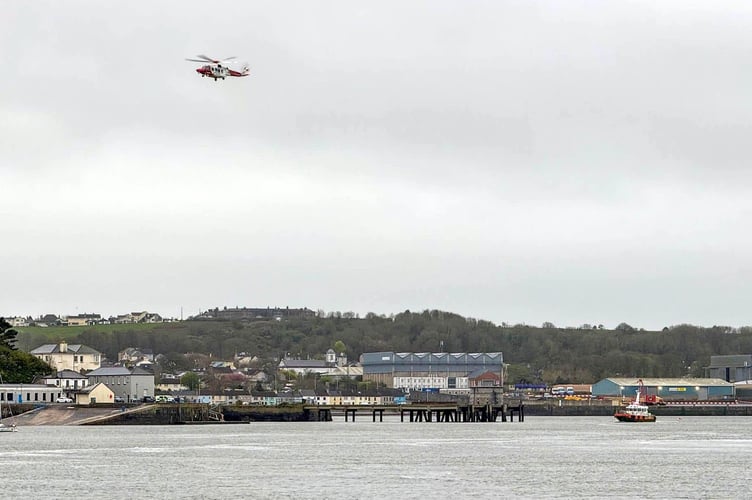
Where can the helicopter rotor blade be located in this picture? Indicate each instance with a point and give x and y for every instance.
(207, 59)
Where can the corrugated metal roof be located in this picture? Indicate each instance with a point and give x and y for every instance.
(685, 381)
(303, 363)
(439, 358)
(730, 360)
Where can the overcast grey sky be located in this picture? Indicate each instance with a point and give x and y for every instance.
(515, 161)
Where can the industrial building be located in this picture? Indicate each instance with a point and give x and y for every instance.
(429, 370)
(669, 389)
(731, 368)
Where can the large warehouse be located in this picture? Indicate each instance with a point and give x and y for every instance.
(731, 368)
(670, 389)
(428, 370)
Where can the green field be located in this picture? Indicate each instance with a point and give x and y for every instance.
(30, 337)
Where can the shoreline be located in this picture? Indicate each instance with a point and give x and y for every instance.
(197, 414)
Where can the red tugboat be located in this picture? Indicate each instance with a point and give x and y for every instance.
(635, 412)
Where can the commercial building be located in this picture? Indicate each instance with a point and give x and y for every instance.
(676, 389)
(429, 370)
(731, 368)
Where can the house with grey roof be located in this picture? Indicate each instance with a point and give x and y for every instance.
(131, 384)
(76, 357)
(135, 355)
(68, 380)
(48, 320)
(84, 320)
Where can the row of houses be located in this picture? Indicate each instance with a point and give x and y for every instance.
(223, 314)
(85, 319)
(449, 373)
(303, 396)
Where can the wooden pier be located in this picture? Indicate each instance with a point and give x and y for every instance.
(421, 412)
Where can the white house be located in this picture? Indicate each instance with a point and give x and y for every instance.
(135, 355)
(68, 380)
(76, 357)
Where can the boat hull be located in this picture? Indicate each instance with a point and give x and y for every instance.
(625, 417)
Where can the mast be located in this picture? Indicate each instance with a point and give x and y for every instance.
(639, 389)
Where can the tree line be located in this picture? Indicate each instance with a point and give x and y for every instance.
(17, 366)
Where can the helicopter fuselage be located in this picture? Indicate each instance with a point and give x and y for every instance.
(217, 71)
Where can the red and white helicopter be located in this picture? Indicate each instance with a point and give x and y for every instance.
(215, 69)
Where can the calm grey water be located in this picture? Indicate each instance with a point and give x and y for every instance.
(544, 457)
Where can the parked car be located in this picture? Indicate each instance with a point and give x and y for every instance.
(148, 399)
(63, 400)
(119, 399)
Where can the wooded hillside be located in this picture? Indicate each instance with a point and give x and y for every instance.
(535, 354)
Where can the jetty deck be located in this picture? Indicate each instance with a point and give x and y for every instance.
(421, 412)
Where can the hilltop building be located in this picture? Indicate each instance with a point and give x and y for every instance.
(19, 321)
(254, 314)
(136, 317)
(84, 320)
